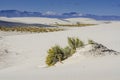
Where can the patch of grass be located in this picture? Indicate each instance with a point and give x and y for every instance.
(74, 25)
(30, 29)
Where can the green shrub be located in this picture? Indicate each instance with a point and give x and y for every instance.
(75, 43)
(58, 54)
(55, 54)
(68, 52)
(91, 42)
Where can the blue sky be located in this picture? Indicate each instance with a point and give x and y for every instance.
(99, 7)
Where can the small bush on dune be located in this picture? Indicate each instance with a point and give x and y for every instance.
(75, 43)
(91, 42)
(68, 52)
(58, 54)
(55, 54)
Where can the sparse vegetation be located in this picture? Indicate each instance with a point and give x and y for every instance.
(91, 42)
(78, 24)
(30, 29)
(55, 54)
(58, 54)
(75, 43)
(68, 52)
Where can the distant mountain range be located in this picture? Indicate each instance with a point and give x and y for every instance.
(17, 13)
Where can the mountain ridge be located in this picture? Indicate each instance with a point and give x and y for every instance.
(17, 13)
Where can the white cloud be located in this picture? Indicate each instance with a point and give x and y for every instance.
(50, 13)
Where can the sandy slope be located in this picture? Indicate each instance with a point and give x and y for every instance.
(83, 20)
(43, 20)
(35, 20)
(26, 55)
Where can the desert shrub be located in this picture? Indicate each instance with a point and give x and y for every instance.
(55, 54)
(91, 42)
(58, 54)
(68, 52)
(75, 43)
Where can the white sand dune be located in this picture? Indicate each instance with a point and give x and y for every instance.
(35, 20)
(25, 55)
(40, 20)
(43, 20)
(83, 20)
